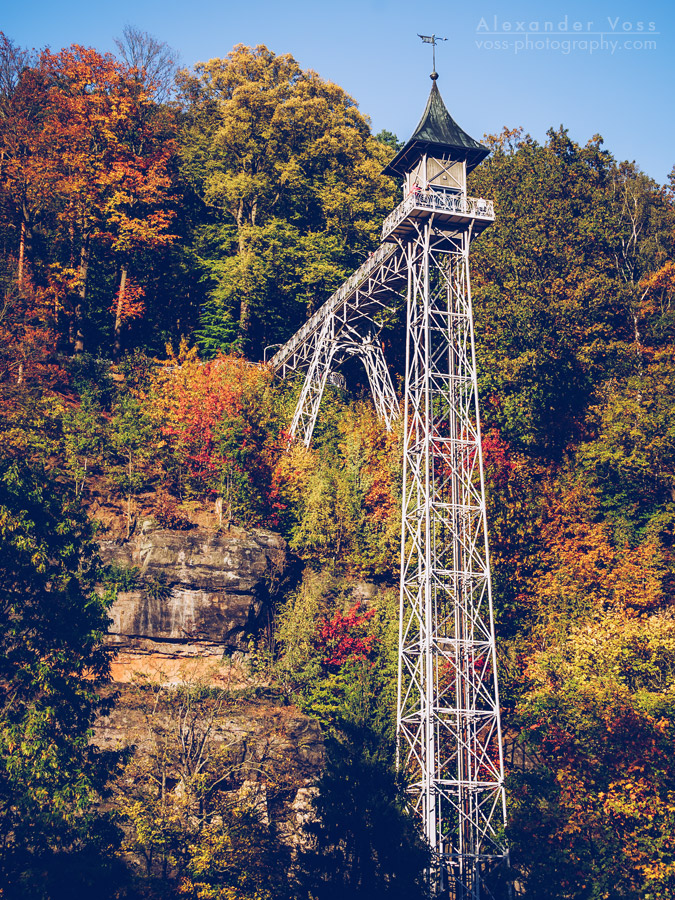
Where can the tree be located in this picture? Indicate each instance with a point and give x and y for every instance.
(363, 842)
(222, 428)
(592, 813)
(84, 440)
(554, 311)
(348, 508)
(290, 176)
(337, 661)
(196, 829)
(630, 459)
(26, 185)
(52, 663)
(13, 61)
(644, 240)
(83, 153)
(131, 437)
(155, 61)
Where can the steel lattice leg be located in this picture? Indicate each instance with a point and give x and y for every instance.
(448, 707)
(384, 395)
(313, 387)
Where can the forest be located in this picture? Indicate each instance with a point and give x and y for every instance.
(159, 228)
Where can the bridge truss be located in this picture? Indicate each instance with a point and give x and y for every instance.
(346, 325)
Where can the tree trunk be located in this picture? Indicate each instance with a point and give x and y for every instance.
(130, 473)
(78, 323)
(245, 299)
(25, 239)
(117, 345)
(22, 248)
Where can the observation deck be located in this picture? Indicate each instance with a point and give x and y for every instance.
(453, 212)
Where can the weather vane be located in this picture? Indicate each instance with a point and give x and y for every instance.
(431, 39)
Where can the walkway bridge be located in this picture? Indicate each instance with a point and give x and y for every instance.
(348, 323)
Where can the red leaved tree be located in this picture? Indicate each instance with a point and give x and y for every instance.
(83, 151)
(345, 637)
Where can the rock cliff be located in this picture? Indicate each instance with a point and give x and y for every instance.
(253, 749)
(199, 594)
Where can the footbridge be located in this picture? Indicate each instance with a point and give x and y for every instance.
(346, 325)
(349, 322)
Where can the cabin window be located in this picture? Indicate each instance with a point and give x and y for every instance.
(447, 174)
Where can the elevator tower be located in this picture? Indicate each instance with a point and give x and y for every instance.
(449, 733)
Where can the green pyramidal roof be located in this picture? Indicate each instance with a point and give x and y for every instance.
(437, 134)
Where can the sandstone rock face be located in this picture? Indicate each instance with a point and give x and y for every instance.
(260, 735)
(200, 592)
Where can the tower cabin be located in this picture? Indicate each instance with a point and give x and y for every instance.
(433, 166)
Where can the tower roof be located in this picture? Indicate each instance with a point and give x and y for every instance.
(436, 134)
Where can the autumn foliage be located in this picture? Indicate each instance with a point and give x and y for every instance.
(219, 427)
(344, 637)
(150, 239)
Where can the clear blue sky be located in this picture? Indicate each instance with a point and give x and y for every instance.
(589, 66)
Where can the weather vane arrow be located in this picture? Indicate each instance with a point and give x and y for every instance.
(431, 39)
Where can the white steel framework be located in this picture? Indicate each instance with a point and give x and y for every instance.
(448, 721)
(346, 325)
(448, 705)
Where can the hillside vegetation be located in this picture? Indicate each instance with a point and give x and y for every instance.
(152, 243)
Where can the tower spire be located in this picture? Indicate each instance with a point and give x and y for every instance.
(438, 135)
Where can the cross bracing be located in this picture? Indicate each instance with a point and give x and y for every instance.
(346, 325)
(448, 710)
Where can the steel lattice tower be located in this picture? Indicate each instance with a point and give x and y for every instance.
(448, 719)
(448, 724)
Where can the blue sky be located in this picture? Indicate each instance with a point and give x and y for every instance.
(595, 67)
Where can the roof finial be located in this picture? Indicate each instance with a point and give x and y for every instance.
(431, 39)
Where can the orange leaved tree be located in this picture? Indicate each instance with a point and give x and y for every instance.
(85, 155)
(222, 433)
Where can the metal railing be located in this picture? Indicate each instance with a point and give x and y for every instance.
(439, 201)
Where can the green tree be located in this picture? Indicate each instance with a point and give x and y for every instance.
(555, 281)
(290, 175)
(52, 662)
(84, 440)
(131, 437)
(631, 459)
(363, 841)
(338, 662)
(592, 812)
